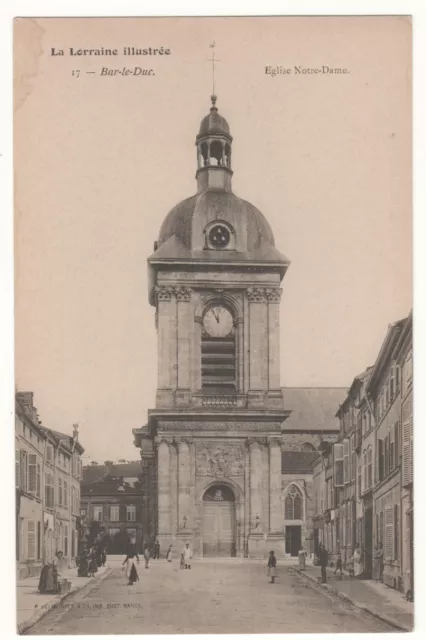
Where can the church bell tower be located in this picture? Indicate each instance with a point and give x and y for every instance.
(211, 448)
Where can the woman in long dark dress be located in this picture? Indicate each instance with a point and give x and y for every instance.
(130, 562)
(48, 582)
(83, 565)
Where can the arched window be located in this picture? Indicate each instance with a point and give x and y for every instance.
(294, 504)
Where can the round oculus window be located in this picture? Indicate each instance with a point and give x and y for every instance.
(219, 236)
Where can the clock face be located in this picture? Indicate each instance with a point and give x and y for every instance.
(219, 236)
(218, 322)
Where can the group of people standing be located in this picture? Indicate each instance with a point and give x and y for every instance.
(131, 560)
(355, 564)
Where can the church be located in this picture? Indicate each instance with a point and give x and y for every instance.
(227, 452)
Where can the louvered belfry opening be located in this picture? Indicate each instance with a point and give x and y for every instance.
(218, 363)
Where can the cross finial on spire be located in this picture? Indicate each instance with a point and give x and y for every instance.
(213, 60)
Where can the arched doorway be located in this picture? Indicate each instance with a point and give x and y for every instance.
(219, 522)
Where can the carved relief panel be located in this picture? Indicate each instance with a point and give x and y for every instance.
(219, 460)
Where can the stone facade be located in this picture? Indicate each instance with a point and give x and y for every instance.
(212, 448)
(48, 465)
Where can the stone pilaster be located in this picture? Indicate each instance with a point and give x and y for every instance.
(163, 484)
(184, 331)
(184, 470)
(273, 296)
(173, 487)
(258, 322)
(166, 329)
(256, 541)
(275, 515)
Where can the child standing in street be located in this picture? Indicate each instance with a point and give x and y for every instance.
(272, 567)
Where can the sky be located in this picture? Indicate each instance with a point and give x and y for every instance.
(100, 160)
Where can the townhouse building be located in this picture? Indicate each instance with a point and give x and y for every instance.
(48, 471)
(404, 360)
(384, 389)
(112, 495)
(363, 484)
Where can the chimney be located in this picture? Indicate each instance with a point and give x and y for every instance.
(26, 399)
(109, 468)
(75, 431)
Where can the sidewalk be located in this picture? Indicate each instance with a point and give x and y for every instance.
(376, 598)
(32, 605)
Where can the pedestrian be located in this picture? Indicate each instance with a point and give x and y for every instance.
(378, 563)
(48, 582)
(357, 561)
(103, 557)
(130, 562)
(302, 558)
(182, 560)
(323, 561)
(157, 550)
(338, 566)
(83, 564)
(187, 556)
(169, 553)
(272, 567)
(147, 556)
(93, 565)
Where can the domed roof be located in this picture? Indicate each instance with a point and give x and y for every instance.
(189, 218)
(213, 122)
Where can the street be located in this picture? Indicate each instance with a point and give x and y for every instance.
(215, 596)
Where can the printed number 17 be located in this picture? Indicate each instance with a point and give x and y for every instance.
(76, 72)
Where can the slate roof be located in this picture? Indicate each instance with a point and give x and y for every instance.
(93, 473)
(313, 408)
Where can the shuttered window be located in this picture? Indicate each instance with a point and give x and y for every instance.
(65, 493)
(392, 449)
(60, 491)
(23, 465)
(17, 468)
(396, 532)
(407, 454)
(32, 473)
(370, 467)
(389, 532)
(353, 459)
(31, 550)
(346, 461)
(38, 480)
(397, 444)
(380, 459)
(338, 465)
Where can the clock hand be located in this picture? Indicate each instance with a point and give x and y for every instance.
(216, 315)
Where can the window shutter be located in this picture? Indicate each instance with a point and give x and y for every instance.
(38, 481)
(406, 453)
(380, 454)
(345, 461)
(392, 448)
(32, 473)
(389, 532)
(411, 449)
(17, 468)
(338, 465)
(31, 540)
(396, 533)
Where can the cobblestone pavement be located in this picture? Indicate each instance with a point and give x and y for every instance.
(229, 596)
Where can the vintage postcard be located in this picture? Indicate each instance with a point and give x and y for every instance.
(213, 272)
